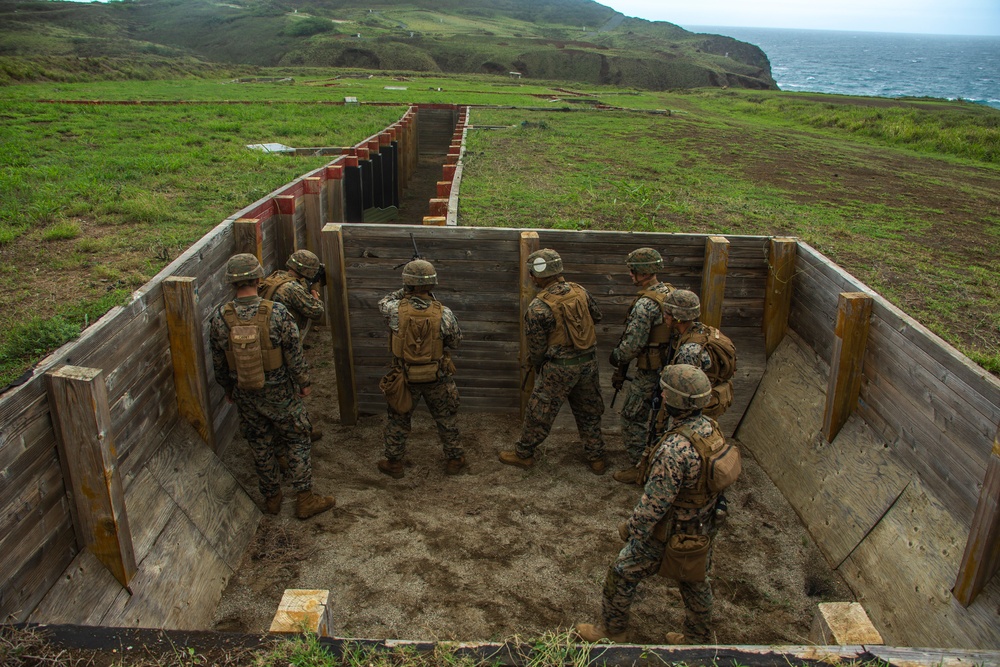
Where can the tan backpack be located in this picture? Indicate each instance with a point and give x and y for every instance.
(721, 465)
(250, 351)
(720, 348)
(418, 343)
(574, 324)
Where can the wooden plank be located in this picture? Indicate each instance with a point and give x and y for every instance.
(713, 279)
(201, 485)
(749, 371)
(314, 215)
(777, 302)
(22, 588)
(335, 193)
(82, 417)
(850, 339)
(187, 353)
(528, 244)
(904, 569)
(340, 322)
(285, 207)
(249, 237)
(981, 558)
(42, 511)
(839, 489)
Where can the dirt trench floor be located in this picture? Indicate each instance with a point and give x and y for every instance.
(499, 552)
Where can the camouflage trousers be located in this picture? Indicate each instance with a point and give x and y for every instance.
(271, 418)
(442, 401)
(554, 384)
(635, 411)
(638, 560)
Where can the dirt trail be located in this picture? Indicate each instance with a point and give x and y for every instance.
(498, 551)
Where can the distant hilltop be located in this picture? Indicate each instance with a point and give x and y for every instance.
(574, 40)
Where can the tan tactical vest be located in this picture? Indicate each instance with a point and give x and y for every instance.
(720, 467)
(574, 325)
(418, 344)
(250, 353)
(270, 285)
(655, 354)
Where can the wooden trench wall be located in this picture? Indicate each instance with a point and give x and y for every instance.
(902, 498)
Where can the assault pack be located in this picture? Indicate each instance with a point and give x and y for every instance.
(720, 467)
(250, 352)
(574, 325)
(722, 352)
(418, 344)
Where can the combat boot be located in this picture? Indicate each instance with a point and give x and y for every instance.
(309, 504)
(510, 457)
(597, 466)
(627, 476)
(316, 434)
(455, 466)
(675, 638)
(589, 632)
(272, 504)
(391, 468)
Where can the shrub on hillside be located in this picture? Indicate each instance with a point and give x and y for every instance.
(310, 25)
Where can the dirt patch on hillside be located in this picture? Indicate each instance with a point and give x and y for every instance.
(498, 551)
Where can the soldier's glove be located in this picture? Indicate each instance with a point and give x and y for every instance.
(618, 379)
(623, 531)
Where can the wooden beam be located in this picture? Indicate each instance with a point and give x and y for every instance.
(340, 322)
(981, 560)
(315, 218)
(249, 237)
(438, 206)
(435, 220)
(304, 611)
(854, 312)
(713, 279)
(187, 352)
(78, 402)
(778, 292)
(334, 193)
(528, 244)
(284, 229)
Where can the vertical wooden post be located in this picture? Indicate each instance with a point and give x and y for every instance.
(249, 237)
(778, 293)
(334, 193)
(187, 351)
(981, 559)
(353, 195)
(284, 229)
(314, 214)
(78, 402)
(529, 244)
(340, 322)
(713, 280)
(854, 312)
(438, 206)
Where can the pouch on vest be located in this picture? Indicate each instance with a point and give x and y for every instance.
(574, 324)
(397, 394)
(419, 344)
(722, 398)
(244, 342)
(685, 558)
(655, 354)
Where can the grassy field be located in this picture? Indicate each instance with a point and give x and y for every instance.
(95, 199)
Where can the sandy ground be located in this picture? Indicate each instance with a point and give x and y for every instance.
(499, 552)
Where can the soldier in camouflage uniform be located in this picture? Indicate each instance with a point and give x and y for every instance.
(416, 301)
(683, 309)
(647, 340)
(275, 411)
(562, 344)
(293, 289)
(673, 471)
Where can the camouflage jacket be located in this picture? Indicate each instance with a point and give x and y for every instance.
(692, 353)
(296, 297)
(644, 315)
(451, 333)
(674, 466)
(539, 321)
(283, 332)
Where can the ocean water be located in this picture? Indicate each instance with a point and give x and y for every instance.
(878, 64)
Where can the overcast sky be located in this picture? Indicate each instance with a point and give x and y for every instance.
(946, 17)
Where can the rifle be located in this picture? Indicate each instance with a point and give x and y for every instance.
(416, 254)
(618, 380)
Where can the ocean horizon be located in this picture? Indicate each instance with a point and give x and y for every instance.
(872, 64)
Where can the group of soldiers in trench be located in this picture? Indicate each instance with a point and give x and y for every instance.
(671, 398)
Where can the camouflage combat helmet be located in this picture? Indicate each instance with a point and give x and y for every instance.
(644, 260)
(544, 263)
(304, 263)
(419, 272)
(243, 267)
(683, 305)
(685, 387)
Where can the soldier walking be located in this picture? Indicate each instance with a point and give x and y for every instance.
(677, 500)
(258, 360)
(646, 339)
(421, 330)
(562, 344)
